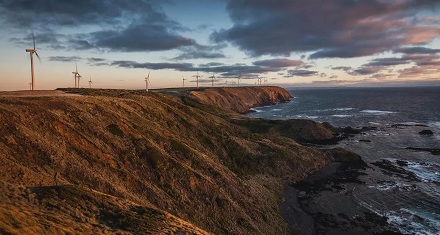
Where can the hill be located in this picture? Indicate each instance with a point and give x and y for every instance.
(131, 162)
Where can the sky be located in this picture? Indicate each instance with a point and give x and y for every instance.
(323, 43)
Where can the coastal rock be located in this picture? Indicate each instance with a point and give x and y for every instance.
(426, 132)
(241, 99)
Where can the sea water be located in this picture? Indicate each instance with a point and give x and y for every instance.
(401, 184)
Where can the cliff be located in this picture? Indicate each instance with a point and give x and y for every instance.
(132, 162)
(241, 99)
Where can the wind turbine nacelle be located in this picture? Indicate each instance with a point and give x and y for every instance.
(30, 50)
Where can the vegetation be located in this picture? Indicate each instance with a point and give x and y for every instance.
(131, 162)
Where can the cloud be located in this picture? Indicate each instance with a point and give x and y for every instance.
(64, 58)
(200, 52)
(137, 25)
(416, 50)
(300, 73)
(279, 63)
(388, 61)
(333, 28)
(343, 68)
(154, 66)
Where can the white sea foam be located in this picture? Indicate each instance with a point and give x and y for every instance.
(342, 116)
(376, 112)
(334, 109)
(304, 116)
(256, 110)
(427, 172)
(386, 186)
(276, 110)
(375, 123)
(405, 222)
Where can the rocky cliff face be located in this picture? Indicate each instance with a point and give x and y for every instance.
(134, 155)
(241, 99)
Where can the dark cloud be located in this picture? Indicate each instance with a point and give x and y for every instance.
(301, 73)
(419, 71)
(64, 58)
(137, 25)
(200, 52)
(367, 70)
(46, 13)
(154, 66)
(279, 63)
(343, 68)
(332, 28)
(140, 37)
(416, 50)
(211, 64)
(388, 61)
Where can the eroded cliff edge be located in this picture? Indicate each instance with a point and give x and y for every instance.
(132, 162)
(241, 99)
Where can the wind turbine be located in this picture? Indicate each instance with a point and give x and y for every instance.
(75, 74)
(79, 78)
(183, 80)
(31, 53)
(197, 76)
(147, 81)
(30, 86)
(238, 79)
(265, 81)
(90, 82)
(213, 78)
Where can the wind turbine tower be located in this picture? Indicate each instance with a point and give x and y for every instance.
(79, 78)
(197, 76)
(147, 81)
(76, 74)
(213, 78)
(183, 80)
(31, 53)
(238, 79)
(90, 83)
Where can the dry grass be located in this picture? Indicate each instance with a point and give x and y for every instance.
(147, 151)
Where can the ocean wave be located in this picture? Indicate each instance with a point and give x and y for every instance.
(276, 110)
(333, 109)
(390, 185)
(304, 116)
(427, 172)
(437, 124)
(342, 116)
(256, 110)
(376, 112)
(409, 221)
(424, 171)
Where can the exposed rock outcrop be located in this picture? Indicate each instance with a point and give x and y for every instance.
(241, 99)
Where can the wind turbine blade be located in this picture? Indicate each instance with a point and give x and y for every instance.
(39, 59)
(148, 74)
(33, 39)
(76, 67)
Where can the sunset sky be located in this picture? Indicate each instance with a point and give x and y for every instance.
(286, 42)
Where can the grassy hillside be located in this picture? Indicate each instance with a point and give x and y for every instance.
(139, 157)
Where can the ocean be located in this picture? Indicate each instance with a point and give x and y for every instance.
(402, 180)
